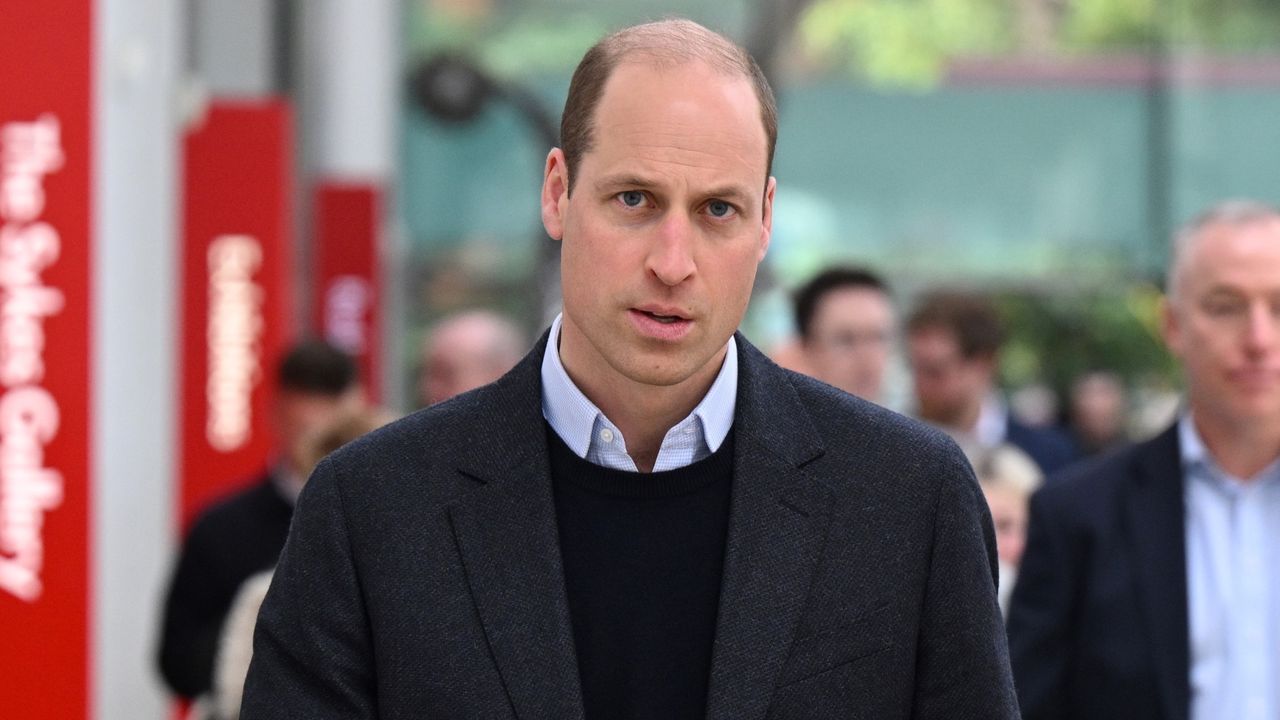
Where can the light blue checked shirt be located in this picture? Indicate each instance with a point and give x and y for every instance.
(590, 435)
(1233, 585)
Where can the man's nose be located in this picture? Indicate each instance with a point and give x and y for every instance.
(1261, 332)
(671, 255)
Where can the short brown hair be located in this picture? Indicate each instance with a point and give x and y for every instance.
(972, 318)
(664, 43)
(828, 281)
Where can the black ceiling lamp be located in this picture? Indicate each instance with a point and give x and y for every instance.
(451, 88)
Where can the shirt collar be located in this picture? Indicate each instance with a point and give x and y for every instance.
(1199, 463)
(993, 422)
(573, 416)
(1190, 446)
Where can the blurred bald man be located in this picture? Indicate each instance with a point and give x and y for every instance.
(467, 350)
(1150, 583)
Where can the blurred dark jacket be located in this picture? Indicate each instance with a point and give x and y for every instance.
(234, 539)
(1049, 447)
(1098, 624)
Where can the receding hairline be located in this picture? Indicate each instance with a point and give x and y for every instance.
(502, 340)
(661, 44)
(1237, 213)
(672, 42)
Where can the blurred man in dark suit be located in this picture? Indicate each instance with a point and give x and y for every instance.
(953, 346)
(1150, 584)
(242, 535)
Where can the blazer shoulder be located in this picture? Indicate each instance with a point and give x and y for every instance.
(424, 450)
(503, 416)
(1088, 486)
(861, 421)
(873, 447)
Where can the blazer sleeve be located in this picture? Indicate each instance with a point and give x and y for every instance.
(963, 657)
(312, 654)
(1041, 614)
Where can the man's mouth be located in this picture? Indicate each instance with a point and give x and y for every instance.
(662, 323)
(665, 315)
(664, 319)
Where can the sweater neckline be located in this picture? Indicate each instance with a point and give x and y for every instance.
(566, 465)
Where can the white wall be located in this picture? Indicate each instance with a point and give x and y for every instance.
(136, 181)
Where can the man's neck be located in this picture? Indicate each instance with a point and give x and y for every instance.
(964, 422)
(1242, 449)
(644, 413)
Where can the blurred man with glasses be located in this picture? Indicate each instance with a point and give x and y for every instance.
(846, 322)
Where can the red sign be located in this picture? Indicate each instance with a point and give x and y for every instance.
(45, 383)
(348, 287)
(237, 294)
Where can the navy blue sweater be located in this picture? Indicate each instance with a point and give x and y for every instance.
(643, 554)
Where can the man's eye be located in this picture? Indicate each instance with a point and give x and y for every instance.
(1223, 309)
(719, 208)
(631, 198)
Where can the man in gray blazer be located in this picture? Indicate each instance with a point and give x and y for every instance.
(646, 518)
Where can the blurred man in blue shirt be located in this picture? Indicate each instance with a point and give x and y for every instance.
(1150, 586)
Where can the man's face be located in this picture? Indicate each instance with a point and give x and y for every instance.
(948, 386)
(462, 355)
(450, 371)
(1098, 408)
(1223, 322)
(850, 338)
(670, 215)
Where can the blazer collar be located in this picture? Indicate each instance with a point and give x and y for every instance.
(507, 537)
(777, 524)
(1157, 526)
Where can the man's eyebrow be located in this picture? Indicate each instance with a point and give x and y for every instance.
(1217, 290)
(731, 192)
(610, 182)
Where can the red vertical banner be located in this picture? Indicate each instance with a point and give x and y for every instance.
(45, 354)
(348, 281)
(237, 293)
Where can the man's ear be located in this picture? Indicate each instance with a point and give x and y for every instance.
(555, 193)
(1170, 326)
(766, 225)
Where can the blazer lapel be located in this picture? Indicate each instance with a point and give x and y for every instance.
(506, 534)
(1157, 525)
(777, 524)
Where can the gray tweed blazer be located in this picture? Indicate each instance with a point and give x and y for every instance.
(422, 575)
